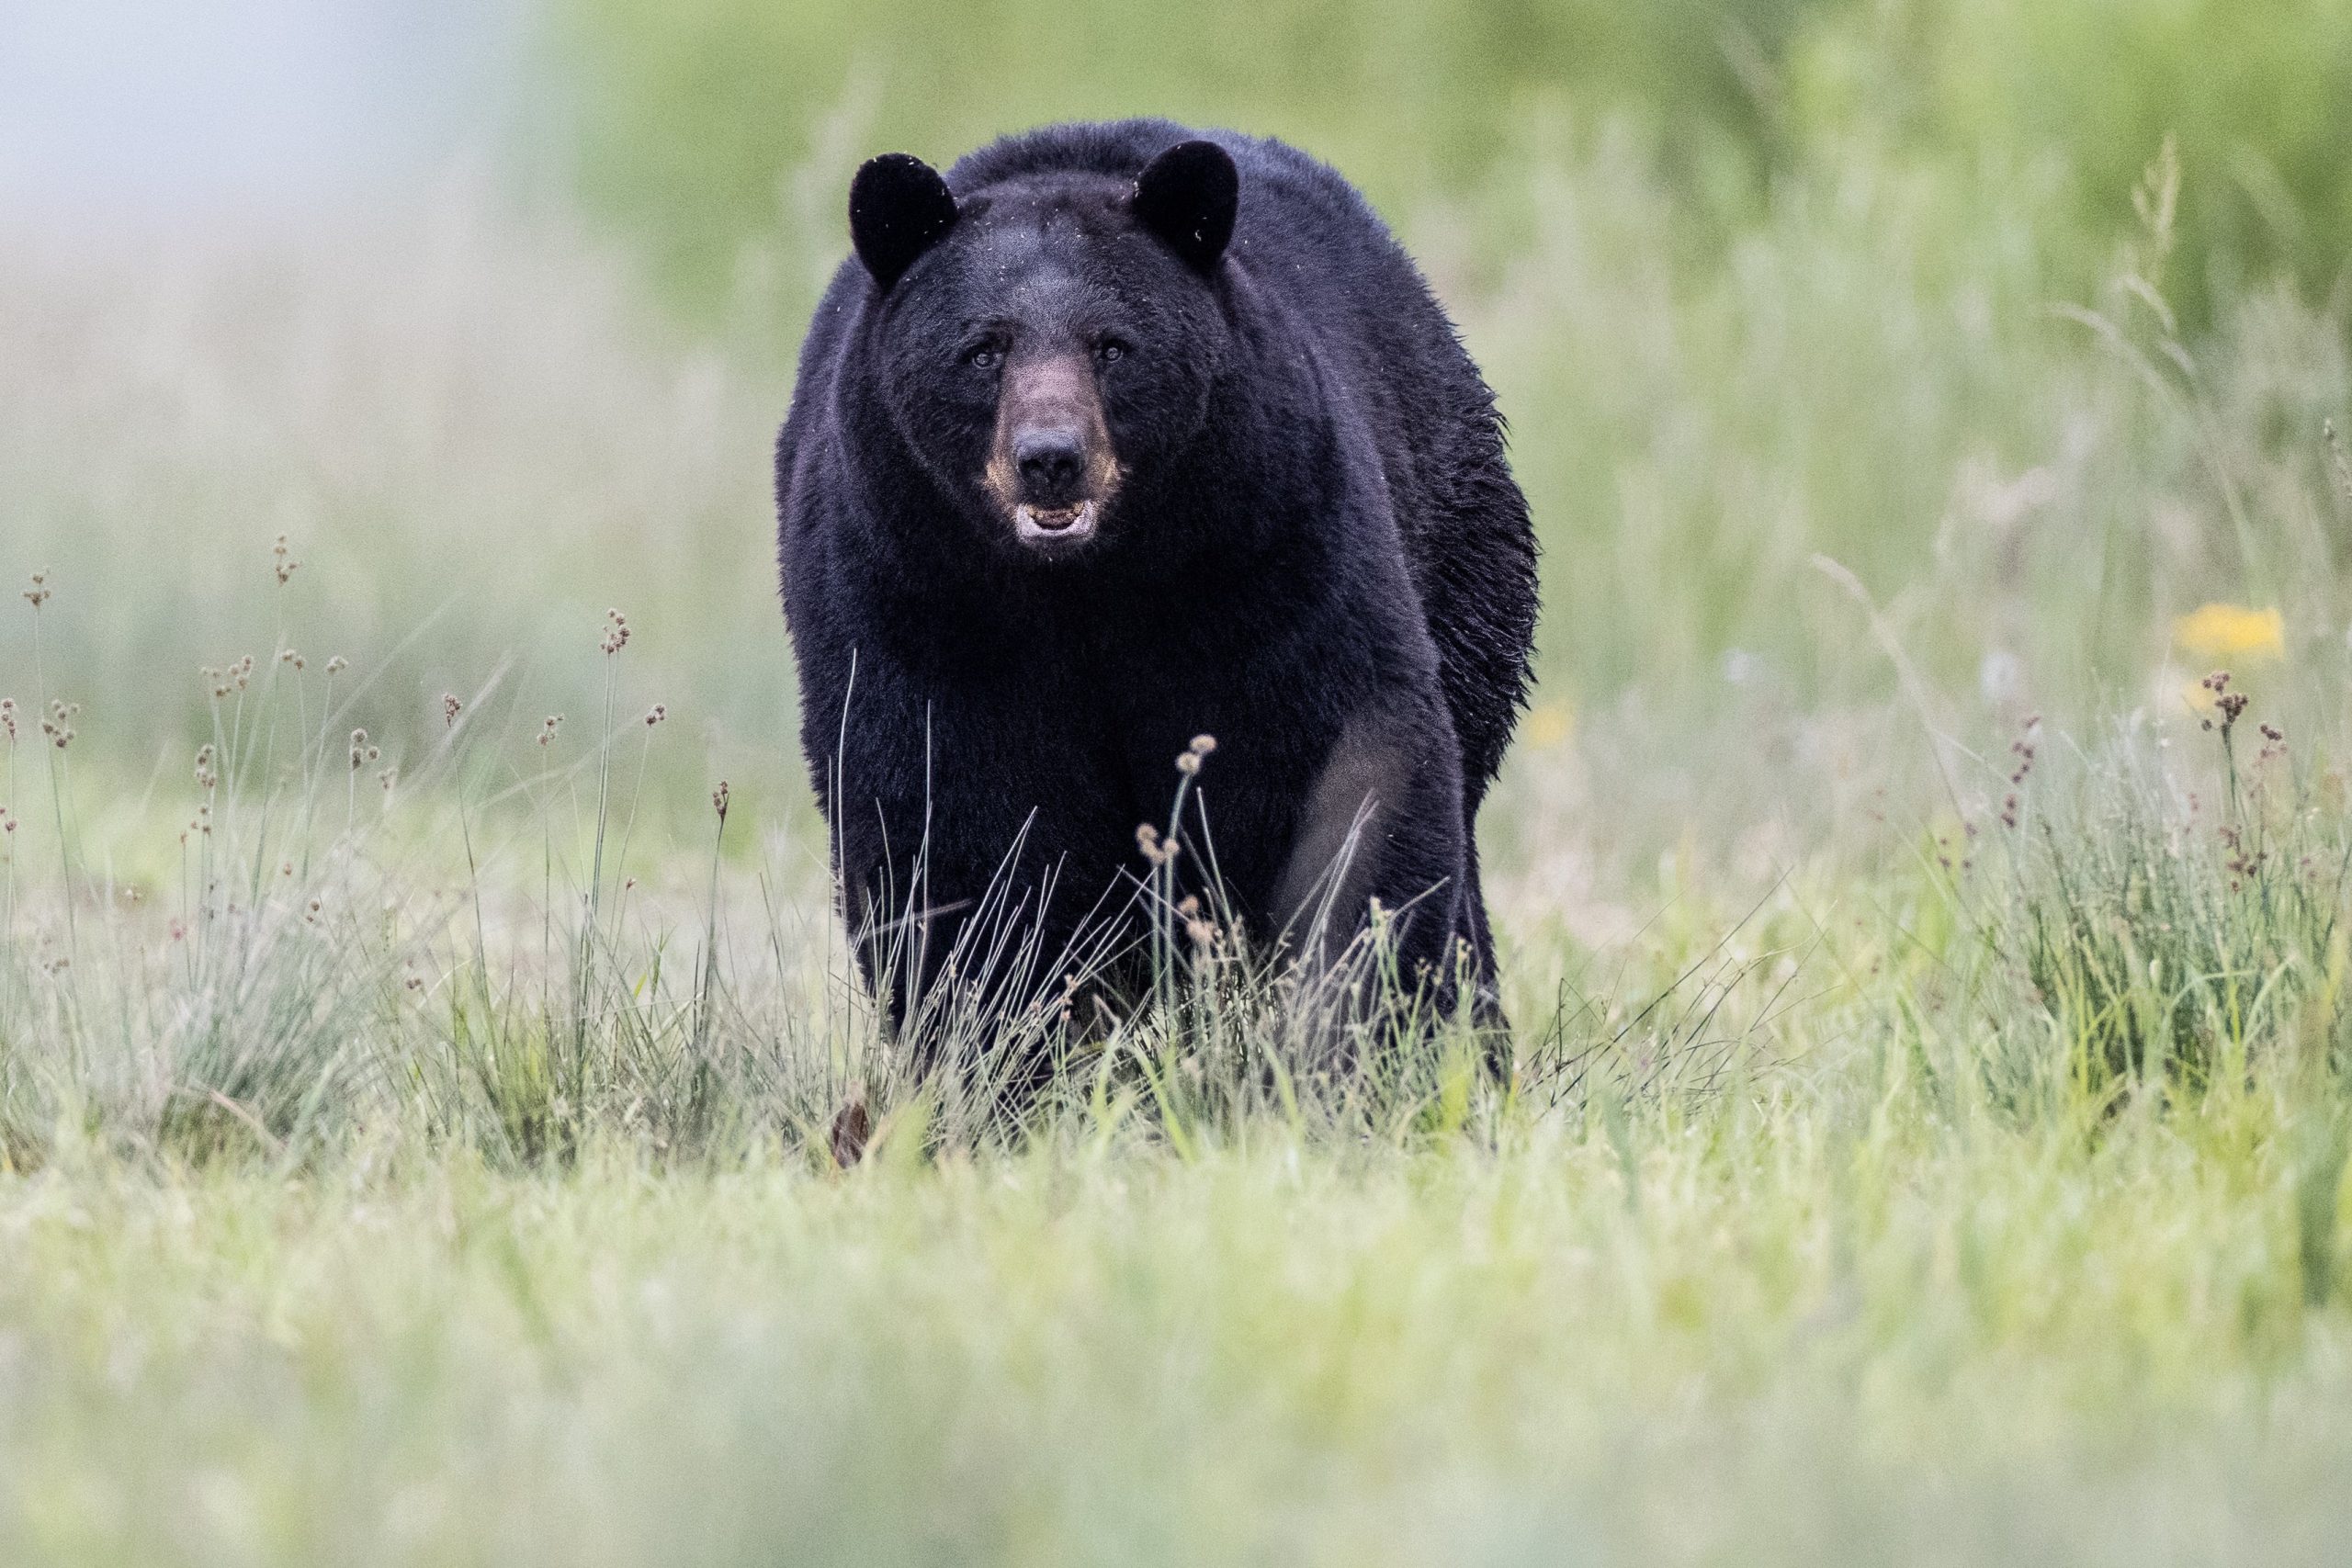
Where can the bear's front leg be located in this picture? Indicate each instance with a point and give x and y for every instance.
(1381, 828)
(973, 880)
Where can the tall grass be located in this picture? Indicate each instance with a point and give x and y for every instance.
(1824, 1318)
(426, 1088)
(477, 950)
(1987, 500)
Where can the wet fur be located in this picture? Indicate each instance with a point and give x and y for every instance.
(1315, 553)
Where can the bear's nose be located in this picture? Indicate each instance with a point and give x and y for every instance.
(1050, 463)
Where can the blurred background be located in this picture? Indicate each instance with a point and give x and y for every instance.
(1870, 364)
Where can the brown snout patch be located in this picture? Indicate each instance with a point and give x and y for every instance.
(1050, 392)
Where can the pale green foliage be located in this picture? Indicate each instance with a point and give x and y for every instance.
(1821, 1322)
(703, 126)
(442, 1170)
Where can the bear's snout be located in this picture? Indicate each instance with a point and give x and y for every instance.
(1051, 465)
(1051, 469)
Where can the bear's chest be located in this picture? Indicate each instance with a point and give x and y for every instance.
(1122, 746)
(1065, 724)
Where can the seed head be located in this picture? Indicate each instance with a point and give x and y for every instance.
(616, 632)
(8, 717)
(337, 665)
(451, 708)
(207, 778)
(282, 563)
(2228, 703)
(362, 753)
(37, 594)
(1188, 762)
(547, 727)
(235, 678)
(59, 726)
(2023, 752)
(655, 715)
(1204, 744)
(1202, 930)
(718, 799)
(226, 680)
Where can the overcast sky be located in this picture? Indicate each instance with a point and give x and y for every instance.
(114, 107)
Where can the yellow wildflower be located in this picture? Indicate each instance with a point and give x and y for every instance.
(1550, 725)
(2230, 631)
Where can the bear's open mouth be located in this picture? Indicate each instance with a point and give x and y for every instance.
(1054, 526)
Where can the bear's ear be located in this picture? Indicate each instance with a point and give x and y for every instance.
(1187, 195)
(899, 207)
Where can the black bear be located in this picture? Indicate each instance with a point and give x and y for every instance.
(1119, 436)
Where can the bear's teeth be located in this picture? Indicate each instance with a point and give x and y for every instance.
(1059, 523)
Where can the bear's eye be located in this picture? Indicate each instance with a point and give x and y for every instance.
(982, 357)
(1110, 351)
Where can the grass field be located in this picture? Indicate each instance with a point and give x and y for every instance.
(1927, 1136)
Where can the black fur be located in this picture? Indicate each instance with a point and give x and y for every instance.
(899, 207)
(1315, 553)
(1189, 195)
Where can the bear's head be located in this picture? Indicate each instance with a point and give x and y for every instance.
(1046, 345)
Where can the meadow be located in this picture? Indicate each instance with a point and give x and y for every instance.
(1922, 874)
